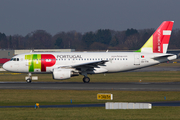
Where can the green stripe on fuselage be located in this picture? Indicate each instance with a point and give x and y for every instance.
(34, 62)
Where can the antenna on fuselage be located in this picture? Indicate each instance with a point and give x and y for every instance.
(31, 51)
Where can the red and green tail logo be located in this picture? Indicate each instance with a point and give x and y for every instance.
(158, 42)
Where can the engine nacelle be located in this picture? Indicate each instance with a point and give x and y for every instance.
(61, 74)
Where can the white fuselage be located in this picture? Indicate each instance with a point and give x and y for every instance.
(45, 62)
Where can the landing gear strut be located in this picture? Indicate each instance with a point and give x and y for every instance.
(86, 79)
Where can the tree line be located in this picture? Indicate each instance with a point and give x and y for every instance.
(102, 39)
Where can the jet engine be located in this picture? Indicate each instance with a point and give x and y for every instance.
(61, 74)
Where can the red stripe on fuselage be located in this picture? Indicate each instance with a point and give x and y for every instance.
(47, 60)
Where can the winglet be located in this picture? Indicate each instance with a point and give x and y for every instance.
(158, 42)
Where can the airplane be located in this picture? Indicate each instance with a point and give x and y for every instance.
(64, 65)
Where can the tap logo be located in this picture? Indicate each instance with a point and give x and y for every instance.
(39, 62)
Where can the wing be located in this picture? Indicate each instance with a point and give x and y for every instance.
(90, 64)
(86, 68)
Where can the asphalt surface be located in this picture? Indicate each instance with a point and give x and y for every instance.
(170, 86)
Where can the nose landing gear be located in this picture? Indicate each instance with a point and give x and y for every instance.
(28, 78)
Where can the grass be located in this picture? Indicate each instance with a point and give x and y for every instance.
(60, 97)
(10, 97)
(54, 97)
(97, 113)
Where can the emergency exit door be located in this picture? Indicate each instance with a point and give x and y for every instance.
(136, 60)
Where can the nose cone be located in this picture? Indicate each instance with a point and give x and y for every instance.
(5, 66)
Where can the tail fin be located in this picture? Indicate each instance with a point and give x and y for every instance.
(158, 42)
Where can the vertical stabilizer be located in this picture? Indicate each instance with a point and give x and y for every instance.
(158, 42)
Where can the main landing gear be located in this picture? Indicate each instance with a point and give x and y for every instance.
(86, 79)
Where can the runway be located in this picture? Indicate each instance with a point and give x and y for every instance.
(168, 86)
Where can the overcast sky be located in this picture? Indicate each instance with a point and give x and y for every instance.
(25, 16)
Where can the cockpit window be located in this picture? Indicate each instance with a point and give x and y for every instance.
(14, 59)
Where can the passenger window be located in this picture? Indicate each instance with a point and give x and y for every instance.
(14, 59)
(17, 59)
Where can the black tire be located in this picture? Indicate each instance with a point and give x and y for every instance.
(28, 80)
(86, 79)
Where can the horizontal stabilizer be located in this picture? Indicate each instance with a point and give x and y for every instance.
(164, 56)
